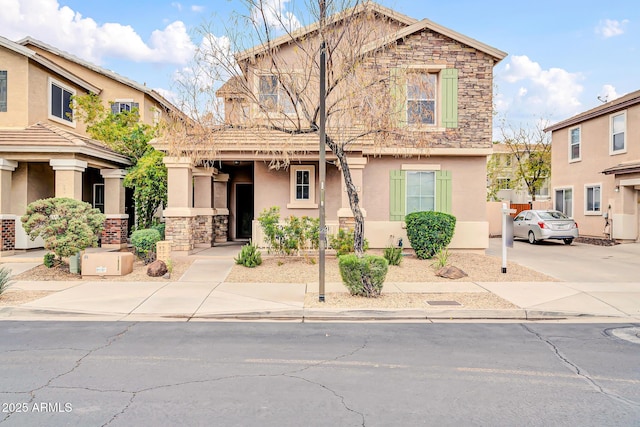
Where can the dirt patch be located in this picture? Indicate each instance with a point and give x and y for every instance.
(480, 268)
(466, 300)
(17, 297)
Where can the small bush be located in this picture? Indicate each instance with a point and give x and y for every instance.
(144, 243)
(161, 228)
(49, 260)
(442, 258)
(292, 236)
(343, 242)
(393, 255)
(429, 232)
(5, 274)
(249, 256)
(363, 276)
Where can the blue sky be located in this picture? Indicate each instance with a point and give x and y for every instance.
(563, 54)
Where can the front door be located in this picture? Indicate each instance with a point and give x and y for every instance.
(244, 210)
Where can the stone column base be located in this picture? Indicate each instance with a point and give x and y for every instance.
(220, 228)
(347, 223)
(114, 234)
(203, 230)
(8, 236)
(180, 230)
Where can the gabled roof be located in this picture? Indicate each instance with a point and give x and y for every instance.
(48, 138)
(108, 73)
(21, 50)
(621, 103)
(426, 24)
(301, 32)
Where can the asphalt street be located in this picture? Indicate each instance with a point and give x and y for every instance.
(322, 374)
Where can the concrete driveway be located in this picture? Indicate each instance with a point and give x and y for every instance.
(577, 262)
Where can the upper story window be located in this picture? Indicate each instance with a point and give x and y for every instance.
(3, 91)
(574, 144)
(421, 98)
(122, 105)
(60, 102)
(272, 95)
(618, 129)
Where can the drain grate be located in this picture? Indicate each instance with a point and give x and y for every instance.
(443, 303)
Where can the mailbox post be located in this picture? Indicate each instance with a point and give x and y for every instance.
(507, 233)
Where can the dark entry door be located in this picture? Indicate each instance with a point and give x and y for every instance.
(244, 210)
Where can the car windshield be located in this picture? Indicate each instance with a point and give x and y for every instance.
(552, 215)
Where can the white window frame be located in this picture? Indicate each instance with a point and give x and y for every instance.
(563, 189)
(406, 190)
(611, 134)
(50, 83)
(120, 102)
(280, 94)
(294, 202)
(579, 158)
(4, 91)
(586, 199)
(435, 98)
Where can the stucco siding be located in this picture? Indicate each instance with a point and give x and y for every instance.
(17, 86)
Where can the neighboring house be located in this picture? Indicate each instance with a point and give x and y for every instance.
(45, 152)
(503, 182)
(596, 168)
(448, 174)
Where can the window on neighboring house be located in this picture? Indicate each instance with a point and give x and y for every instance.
(504, 183)
(60, 105)
(120, 106)
(574, 144)
(272, 95)
(592, 199)
(618, 128)
(424, 96)
(421, 98)
(302, 186)
(3, 91)
(507, 160)
(413, 190)
(564, 201)
(98, 197)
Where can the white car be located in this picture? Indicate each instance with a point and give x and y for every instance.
(536, 225)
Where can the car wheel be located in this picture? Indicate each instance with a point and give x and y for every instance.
(568, 241)
(532, 238)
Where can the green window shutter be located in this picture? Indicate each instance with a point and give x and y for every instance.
(443, 191)
(397, 195)
(398, 88)
(449, 86)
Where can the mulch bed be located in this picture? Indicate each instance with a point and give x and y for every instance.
(596, 241)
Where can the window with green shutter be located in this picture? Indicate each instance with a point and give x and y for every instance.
(3, 91)
(413, 191)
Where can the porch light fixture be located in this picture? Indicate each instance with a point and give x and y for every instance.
(617, 189)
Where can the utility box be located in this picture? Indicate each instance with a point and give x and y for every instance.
(107, 264)
(163, 250)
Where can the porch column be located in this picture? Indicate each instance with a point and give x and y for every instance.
(203, 206)
(179, 214)
(7, 221)
(221, 215)
(345, 216)
(117, 222)
(68, 177)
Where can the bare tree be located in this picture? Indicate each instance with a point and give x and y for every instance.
(271, 86)
(531, 149)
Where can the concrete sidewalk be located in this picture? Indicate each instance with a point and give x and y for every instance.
(201, 294)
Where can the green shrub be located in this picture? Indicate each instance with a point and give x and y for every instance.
(363, 276)
(249, 256)
(161, 228)
(5, 274)
(393, 255)
(67, 226)
(343, 242)
(289, 238)
(144, 243)
(49, 260)
(429, 232)
(442, 258)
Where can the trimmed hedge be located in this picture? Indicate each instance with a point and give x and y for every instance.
(363, 276)
(144, 243)
(429, 232)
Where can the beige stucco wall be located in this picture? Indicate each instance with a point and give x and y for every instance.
(595, 158)
(17, 88)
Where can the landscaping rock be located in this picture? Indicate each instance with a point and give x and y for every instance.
(451, 272)
(157, 268)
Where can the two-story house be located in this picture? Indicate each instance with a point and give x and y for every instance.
(429, 152)
(45, 152)
(596, 168)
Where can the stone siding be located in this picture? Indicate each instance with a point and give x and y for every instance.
(221, 228)
(181, 232)
(203, 229)
(115, 231)
(8, 234)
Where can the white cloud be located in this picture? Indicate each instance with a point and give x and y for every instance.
(177, 5)
(67, 30)
(197, 8)
(539, 92)
(274, 13)
(608, 93)
(611, 27)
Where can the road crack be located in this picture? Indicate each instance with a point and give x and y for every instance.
(579, 371)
